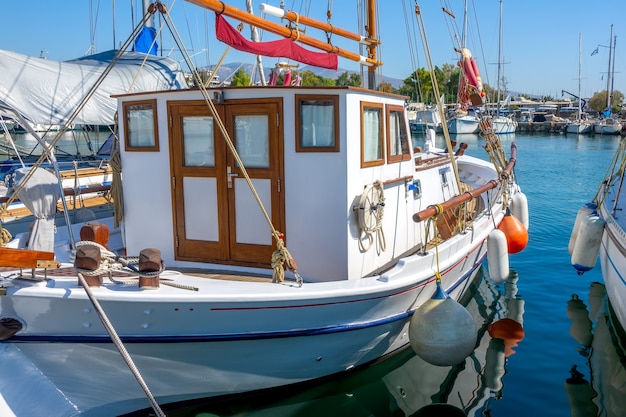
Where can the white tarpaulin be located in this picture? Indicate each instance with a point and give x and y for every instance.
(47, 92)
(40, 195)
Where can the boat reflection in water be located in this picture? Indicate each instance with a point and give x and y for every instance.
(600, 389)
(403, 384)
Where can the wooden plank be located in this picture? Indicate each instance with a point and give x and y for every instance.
(25, 258)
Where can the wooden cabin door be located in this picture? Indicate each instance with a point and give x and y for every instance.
(216, 216)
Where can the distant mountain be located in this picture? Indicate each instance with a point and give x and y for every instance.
(227, 70)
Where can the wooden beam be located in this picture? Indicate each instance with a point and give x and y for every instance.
(25, 258)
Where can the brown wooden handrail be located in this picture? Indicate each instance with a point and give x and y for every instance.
(70, 191)
(434, 209)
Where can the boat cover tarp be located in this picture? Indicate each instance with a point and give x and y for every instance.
(40, 195)
(47, 92)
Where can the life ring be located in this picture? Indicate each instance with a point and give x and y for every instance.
(371, 210)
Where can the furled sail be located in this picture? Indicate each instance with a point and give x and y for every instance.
(285, 48)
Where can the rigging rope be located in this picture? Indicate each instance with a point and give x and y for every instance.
(119, 345)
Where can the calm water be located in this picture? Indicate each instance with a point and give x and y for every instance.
(558, 173)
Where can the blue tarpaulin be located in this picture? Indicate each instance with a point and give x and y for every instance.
(145, 41)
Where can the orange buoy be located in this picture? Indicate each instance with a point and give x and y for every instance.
(509, 331)
(515, 232)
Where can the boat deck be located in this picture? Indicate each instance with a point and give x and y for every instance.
(68, 271)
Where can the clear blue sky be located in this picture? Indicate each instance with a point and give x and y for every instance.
(540, 37)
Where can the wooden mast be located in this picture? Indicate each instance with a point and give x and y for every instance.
(371, 33)
(220, 7)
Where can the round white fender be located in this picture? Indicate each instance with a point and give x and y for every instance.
(583, 212)
(587, 244)
(519, 208)
(497, 256)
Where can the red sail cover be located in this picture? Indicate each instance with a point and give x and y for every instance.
(282, 48)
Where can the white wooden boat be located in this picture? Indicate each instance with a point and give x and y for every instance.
(285, 234)
(463, 123)
(579, 127)
(424, 119)
(503, 124)
(607, 126)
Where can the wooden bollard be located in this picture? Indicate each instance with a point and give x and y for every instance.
(149, 261)
(88, 257)
(95, 232)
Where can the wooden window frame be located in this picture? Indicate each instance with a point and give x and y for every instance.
(299, 98)
(127, 133)
(381, 132)
(403, 156)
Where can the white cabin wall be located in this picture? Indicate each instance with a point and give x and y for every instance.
(148, 204)
(315, 189)
(400, 232)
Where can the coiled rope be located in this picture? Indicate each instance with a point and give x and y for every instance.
(5, 236)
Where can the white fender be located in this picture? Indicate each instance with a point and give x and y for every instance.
(497, 256)
(519, 208)
(583, 212)
(587, 244)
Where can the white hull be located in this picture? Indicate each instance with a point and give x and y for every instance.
(503, 125)
(613, 127)
(217, 344)
(613, 258)
(579, 128)
(463, 125)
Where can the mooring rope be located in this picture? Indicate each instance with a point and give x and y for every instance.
(119, 345)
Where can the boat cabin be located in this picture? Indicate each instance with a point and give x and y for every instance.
(322, 162)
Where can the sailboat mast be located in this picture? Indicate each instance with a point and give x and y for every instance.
(254, 35)
(580, 64)
(613, 68)
(499, 57)
(609, 76)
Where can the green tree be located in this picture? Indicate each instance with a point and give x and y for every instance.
(349, 80)
(598, 101)
(419, 87)
(240, 78)
(310, 79)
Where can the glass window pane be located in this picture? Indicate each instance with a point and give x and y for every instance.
(317, 123)
(198, 144)
(372, 140)
(252, 140)
(140, 119)
(398, 141)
